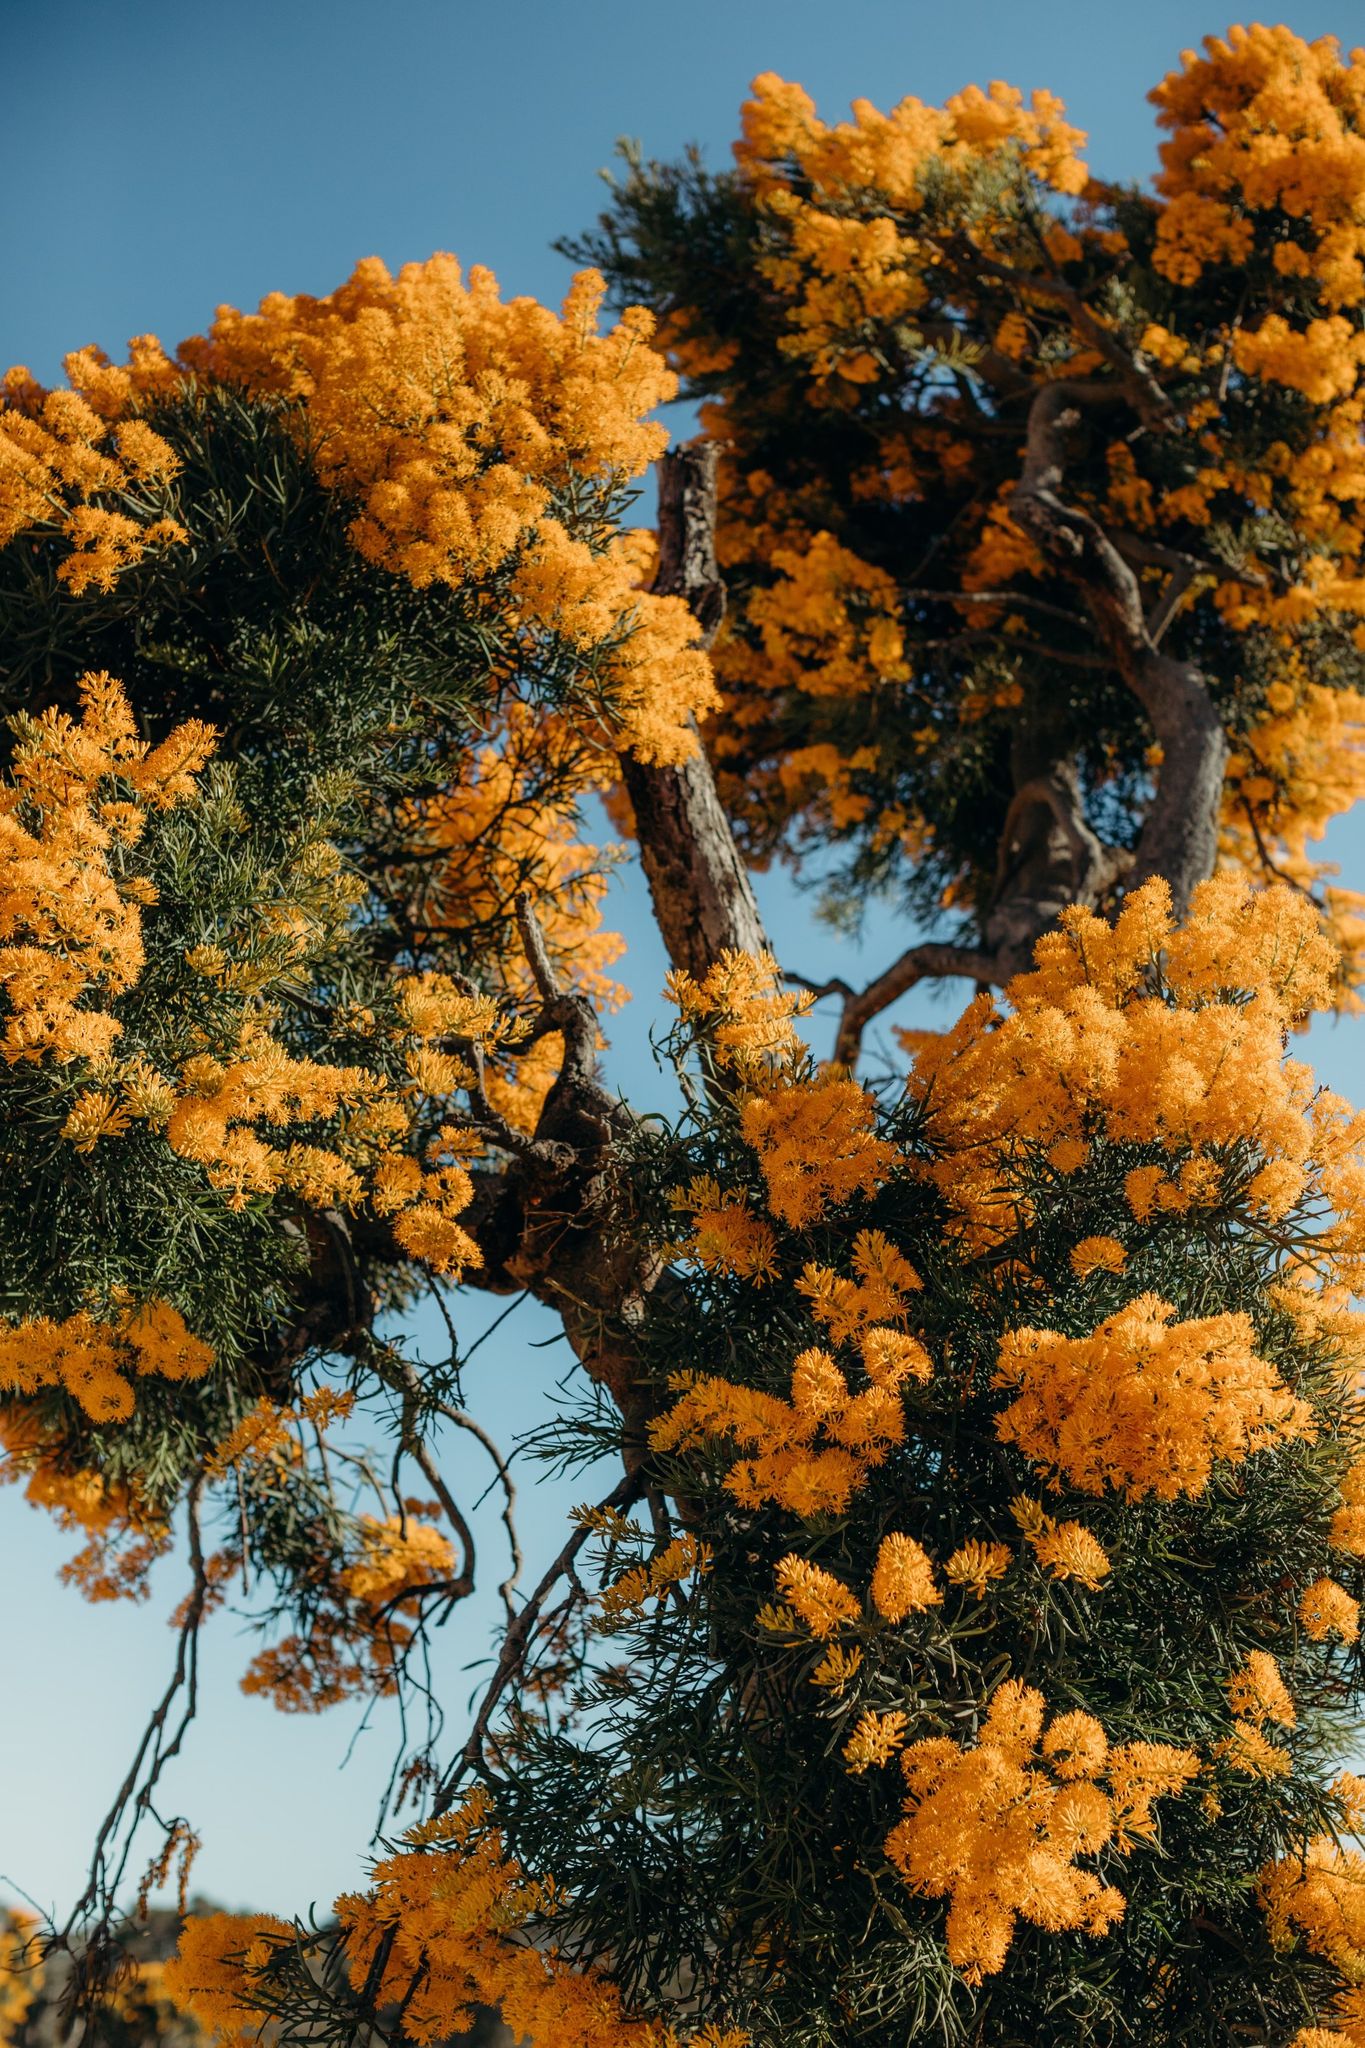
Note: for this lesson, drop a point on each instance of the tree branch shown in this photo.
(517, 1642)
(703, 899)
(1179, 838)
(918, 963)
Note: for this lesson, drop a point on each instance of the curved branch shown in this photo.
(1179, 838)
(464, 1420)
(919, 963)
(517, 1642)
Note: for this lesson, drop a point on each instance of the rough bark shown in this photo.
(1179, 838)
(1049, 856)
(558, 1219)
(703, 901)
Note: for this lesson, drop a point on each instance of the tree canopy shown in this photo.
(967, 1644)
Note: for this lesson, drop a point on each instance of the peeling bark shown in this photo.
(703, 900)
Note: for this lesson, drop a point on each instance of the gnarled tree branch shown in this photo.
(703, 899)
(926, 962)
(1179, 838)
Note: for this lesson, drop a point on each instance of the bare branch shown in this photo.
(463, 1420)
(1167, 605)
(533, 942)
(133, 1800)
(517, 1642)
(918, 963)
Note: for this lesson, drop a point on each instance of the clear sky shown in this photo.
(157, 159)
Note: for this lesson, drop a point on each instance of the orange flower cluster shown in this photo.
(123, 1540)
(1318, 1896)
(998, 1828)
(264, 1433)
(70, 918)
(726, 1232)
(814, 1601)
(1348, 1523)
(812, 1134)
(744, 1014)
(816, 1146)
(210, 1974)
(398, 1556)
(1258, 1692)
(1298, 767)
(903, 1579)
(71, 937)
(451, 1906)
(809, 1454)
(464, 430)
(21, 1969)
(1327, 1609)
(819, 1603)
(1066, 1550)
(214, 1122)
(846, 270)
(1145, 1034)
(356, 1639)
(62, 451)
(873, 235)
(95, 1362)
(1230, 114)
(1146, 1403)
(625, 1597)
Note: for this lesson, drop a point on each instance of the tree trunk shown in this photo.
(703, 900)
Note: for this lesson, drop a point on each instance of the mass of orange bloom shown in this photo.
(59, 452)
(95, 1362)
(842, 270)
(458, 425)
(1228, 114)
(357, 1638)
(1143, 1033)
(870, 226)
(809, 1453)
(452, 1905)
(998, 1827)
(81, 794)
(1318, 1896)
(70, 917)
(816, 1146)
(743, 1012)
(1145, 1403)
(821, 1603)
(1348, 1523)
(209, 1975)
(123, 1537)
(903, 1578)
(1327, 1609)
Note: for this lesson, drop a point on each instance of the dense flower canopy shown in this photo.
(966, 1642)
(906, 666)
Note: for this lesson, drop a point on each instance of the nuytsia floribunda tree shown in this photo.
(964, 1645)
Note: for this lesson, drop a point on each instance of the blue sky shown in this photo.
(157, 159)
